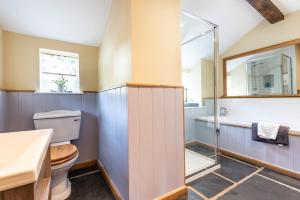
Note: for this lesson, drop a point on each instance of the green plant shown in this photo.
(61, 83)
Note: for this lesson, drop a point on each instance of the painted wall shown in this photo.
(21, 61)
(196, 83)
(278, 110)
(20, 107)
(115, 50)
(138, 46)
(207, 78)
(1, 58)
(156, 36)
(264, 34)
(141, 140)
(238, 77)
(202, 80)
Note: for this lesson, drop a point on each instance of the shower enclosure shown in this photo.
(199, 71)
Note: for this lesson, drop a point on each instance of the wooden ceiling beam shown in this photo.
(267, 9)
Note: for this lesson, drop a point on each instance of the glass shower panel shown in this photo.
(199, 53)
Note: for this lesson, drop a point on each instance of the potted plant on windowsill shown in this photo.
(61, 84)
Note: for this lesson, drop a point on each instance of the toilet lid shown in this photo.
(63, 152)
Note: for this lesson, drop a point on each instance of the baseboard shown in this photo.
(261, 163)
(83, 165)
(117, 195)
(173, 195)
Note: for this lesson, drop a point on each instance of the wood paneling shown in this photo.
(148, 135)
(3, 111)
(22, 105)
(156, 160)
(113, 141)
(239, 140)
(267, 9)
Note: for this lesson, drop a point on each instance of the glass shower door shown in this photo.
(199, 64)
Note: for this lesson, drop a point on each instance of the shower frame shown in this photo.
(215, 30)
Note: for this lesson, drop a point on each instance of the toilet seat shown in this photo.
(63, 153)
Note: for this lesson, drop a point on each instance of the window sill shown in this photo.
(64, 93)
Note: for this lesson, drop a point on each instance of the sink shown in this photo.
(21, 156)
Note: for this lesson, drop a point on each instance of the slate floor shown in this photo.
(236, 180)
(88, 184)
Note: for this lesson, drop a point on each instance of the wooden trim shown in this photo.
(8, 90)
(261, 163)
(40, 189)
(33, 91)
(82, 165)
(117, 195)
(173, 195)
(140, 85)
(224, 77)
(262, 96)
(260, 50)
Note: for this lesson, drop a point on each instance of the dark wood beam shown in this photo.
(267, 9)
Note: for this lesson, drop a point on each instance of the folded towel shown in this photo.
(267, 130)
(281, 139)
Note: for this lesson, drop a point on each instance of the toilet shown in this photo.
(66, 126)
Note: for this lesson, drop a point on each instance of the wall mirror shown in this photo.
(268, 72)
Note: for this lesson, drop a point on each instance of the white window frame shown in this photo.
(62, 53)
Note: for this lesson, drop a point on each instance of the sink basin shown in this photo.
(21, 156)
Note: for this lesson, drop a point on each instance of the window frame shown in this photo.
(59, 53)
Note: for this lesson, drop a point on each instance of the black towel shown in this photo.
(282, 136)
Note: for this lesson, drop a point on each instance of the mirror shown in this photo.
(265, 72)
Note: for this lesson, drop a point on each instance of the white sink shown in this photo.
(21, 156)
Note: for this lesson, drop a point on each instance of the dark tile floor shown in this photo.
(210, 185)
(234, 170)
(204, 150)
(247, 182)
(235, 180)
(88, 184)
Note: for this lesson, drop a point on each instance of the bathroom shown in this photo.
(141, 100)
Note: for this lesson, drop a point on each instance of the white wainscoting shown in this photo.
(238, 140)
(190, 114)
(3, 111)
(141, 140)
(20, 107)
(113, 137)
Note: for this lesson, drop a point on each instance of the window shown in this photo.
(59, 71)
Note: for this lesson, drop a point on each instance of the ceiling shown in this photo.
(83, 21)
(77, 21)
(235, 18)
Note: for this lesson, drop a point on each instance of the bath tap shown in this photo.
(223, 111)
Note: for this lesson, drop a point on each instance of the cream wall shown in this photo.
(21, 61)
(1, 58)
(238, 81)
(264, 34)
(156, 49)
(202, 80)
(115, 50)
(141, 44)
(196, 84)
(207, 78)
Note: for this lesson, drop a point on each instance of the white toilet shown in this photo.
(66, 126)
